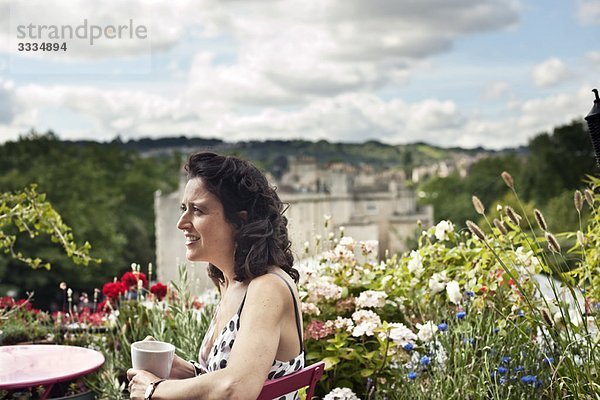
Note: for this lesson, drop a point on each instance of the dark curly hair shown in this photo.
(262, 237)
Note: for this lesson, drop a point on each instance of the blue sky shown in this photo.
(468, 73)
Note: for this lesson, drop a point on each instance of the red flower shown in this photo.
(197, 304)
(159, 290)
(130, 279)
(26, 304)
(105, 307)
(112, 290)
(7, 302)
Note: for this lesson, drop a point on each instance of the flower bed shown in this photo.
(462, 316)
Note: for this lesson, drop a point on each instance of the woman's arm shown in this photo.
(251, 358)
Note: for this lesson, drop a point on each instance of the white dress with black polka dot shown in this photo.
(219, 354)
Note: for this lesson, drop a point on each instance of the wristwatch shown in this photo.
(151, 388)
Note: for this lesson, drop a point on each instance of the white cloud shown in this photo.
(346, 117)
(293, 50)
(588, 11)
(550, 73)
(496, 90)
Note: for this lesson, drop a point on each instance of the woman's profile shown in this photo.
(233, 219)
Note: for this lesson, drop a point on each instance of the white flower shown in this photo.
(369, 246)
(319, 289)
(371, 298)
(415, 264)
(453, 291)
(442, 229)
(341, 323)
(366, 322)
(341, 252)
(310, 309)
(426, 331)
(401, 334)
(437, 282)
(347, 241)
(528, 262)
(341, 394)
(441, 356)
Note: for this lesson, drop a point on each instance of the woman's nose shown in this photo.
(183, 222)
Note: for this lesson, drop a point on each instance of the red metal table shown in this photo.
(40, 364)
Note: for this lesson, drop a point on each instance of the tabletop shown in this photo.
(40, 364)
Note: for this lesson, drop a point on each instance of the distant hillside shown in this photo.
(272, 154)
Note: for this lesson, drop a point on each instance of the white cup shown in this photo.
(153, 356)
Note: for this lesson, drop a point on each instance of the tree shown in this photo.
(30, 214)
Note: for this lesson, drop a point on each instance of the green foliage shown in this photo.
(104, 192)
(555, 166)
(31, 214)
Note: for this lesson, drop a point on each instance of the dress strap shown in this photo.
(298, 323)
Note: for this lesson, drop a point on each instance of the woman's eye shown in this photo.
(198, 211)
(182, 208)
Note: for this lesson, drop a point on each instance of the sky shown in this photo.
(491, 73)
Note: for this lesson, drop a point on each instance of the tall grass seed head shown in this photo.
(539, 217)
(500, 226)
(552, 242)
(507, 178)
(589, 197)
(578, 200)
(581, 238)
(478, 205)
(475, 230)
(512, 215)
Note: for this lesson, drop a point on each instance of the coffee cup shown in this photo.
(153, 356)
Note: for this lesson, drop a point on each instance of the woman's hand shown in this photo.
(181, 369)
(138, 382)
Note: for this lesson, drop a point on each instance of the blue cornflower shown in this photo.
(443, 327)
(549, 360)
(519, 368)
(424, 360)
(408, 346)
(469, 293)
(496, 330)
(527, 379)
(469, 341)
(502, 370)
(461, 315)
(505, 360)
(521, 313)
(538, 383)
(503, 380)
(412, 375)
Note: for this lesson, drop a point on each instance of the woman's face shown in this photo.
(208, 235)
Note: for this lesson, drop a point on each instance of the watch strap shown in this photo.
(152, 388)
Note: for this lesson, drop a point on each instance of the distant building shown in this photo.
(368, 204)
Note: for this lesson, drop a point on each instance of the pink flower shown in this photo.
(318, 330)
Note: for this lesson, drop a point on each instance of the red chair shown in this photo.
(308, 376)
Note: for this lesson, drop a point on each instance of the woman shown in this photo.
(233, 219)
